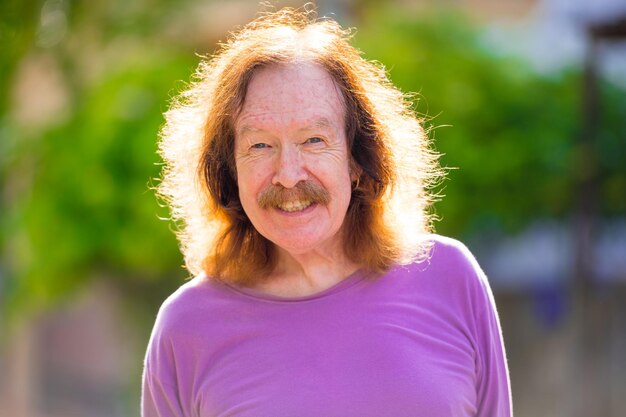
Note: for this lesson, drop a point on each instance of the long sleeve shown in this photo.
(159, 398)
(165, 390)
(493, 386)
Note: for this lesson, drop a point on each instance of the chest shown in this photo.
(374, 359)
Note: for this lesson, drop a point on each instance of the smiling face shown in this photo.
(292, 157)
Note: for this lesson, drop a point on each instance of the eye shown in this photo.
(259, 146)
(314, 139)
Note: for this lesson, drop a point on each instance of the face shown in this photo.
(292, 158)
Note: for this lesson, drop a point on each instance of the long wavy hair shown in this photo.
(388, 215)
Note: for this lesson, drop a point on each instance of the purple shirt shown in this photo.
(422, 340)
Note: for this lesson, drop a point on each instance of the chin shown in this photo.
(302, 246)
(295, 248)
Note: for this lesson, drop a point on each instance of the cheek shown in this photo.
(342, 184)
(246, 190)
(251, 183)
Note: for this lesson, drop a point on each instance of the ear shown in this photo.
(355, 174)
(355, 171)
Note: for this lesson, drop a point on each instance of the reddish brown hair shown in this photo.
(389, 151)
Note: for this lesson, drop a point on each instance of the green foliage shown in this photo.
(509, 133)
(18, 22)
(89, 206)
(76, 201)
(611, 146)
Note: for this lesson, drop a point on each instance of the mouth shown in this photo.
(304, 197)
(296, 205)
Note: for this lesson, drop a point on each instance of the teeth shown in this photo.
(292, 206)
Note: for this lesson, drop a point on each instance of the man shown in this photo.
(301, 176)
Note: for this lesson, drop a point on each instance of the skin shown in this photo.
(291, 129)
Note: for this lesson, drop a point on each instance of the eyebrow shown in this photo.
(247, 129)
(320, 123)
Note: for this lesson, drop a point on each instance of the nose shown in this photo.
(289, 169)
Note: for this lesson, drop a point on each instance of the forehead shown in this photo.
(291, 96)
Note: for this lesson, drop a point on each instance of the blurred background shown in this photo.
(526, 99)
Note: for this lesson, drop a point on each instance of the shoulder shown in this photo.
(451, 255)
(179, 330)
(191, 318)
(189, 307)
(449, 266)
(447, 246)
(457, 267)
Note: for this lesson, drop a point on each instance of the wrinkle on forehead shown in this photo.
(280, 101)
(321, 123)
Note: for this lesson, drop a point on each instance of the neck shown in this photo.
(298, 275)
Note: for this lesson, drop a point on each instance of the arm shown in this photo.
(493, 388)
(158, 397)
(163, 392)
(492, 378)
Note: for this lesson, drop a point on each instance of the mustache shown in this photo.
(277, 195)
